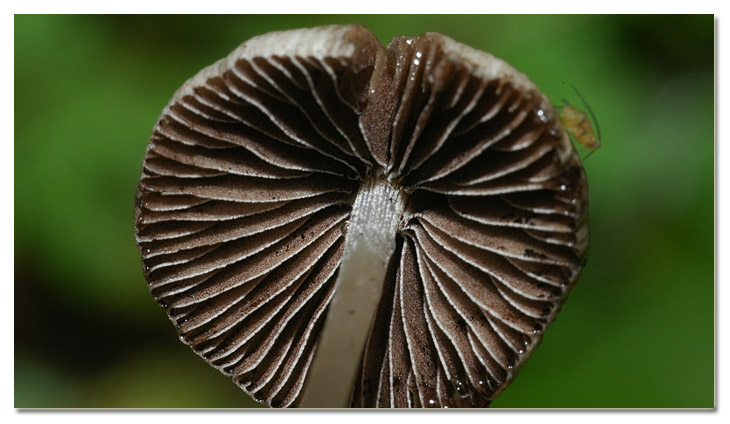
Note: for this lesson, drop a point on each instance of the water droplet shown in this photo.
(409, 42)
(416, 62)
(521, 351)
(461, 390)
(431, 402)
(147, 250)
(419, 54)
(563, 187)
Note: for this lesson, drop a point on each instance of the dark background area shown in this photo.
(638, 331)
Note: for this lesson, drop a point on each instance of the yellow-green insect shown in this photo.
(579, 126)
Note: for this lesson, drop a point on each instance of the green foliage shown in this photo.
(638, 330)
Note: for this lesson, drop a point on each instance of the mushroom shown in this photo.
(333, 223)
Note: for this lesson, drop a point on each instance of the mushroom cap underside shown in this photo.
(248, 186)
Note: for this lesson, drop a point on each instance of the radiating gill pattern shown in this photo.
(249, 180)
(494, 236)
(246, 185)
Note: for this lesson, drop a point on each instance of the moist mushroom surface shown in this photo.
(331, 222)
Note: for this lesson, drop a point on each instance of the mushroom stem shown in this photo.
(369, 244)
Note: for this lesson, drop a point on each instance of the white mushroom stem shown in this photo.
(369, 244)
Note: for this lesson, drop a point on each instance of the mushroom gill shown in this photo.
(330, 222)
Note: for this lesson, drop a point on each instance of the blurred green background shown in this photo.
(638, 331)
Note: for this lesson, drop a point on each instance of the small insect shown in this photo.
(580, 127)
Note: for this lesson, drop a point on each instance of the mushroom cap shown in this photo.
(254, 170)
